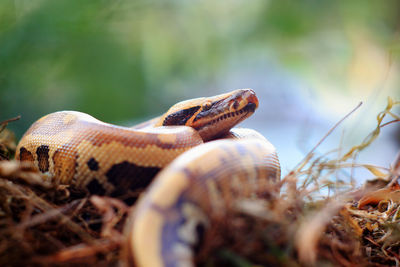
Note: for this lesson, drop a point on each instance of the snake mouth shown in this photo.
(247, 110)
(220, 125)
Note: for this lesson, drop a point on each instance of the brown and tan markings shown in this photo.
(42, 153)
(196, 180)
(79, 150)
(25, 155)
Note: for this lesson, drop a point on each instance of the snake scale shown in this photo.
(199, 165)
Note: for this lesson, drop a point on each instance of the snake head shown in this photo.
(212, 116)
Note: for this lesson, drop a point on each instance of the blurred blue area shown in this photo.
(309, 61)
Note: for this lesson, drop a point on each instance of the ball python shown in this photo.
(198, 162)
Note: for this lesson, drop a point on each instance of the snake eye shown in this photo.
(206, 106)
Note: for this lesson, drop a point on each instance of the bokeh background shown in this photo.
(310, 62)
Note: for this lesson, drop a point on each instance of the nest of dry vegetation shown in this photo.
(46, 225)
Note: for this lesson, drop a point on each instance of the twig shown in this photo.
(309, 155)
(389, 122)
(47, 209)
(3, 124)
(395, 173)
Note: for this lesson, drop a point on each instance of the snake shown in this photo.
(190, 163)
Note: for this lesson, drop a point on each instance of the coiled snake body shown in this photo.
(204, 167)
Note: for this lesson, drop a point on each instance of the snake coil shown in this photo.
(199, 165)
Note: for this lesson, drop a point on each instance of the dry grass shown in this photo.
(46, 225)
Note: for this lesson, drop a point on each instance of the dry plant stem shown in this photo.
(113, 211)
(309, 155)
(310, 231)
(3, 124)
(390, 122)
(374, 134)
(49, 210)
(51, 214)
(395, 173)
(24, 171)
(384, 250)
(80, 251)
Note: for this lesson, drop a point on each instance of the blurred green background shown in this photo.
(125, 61)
